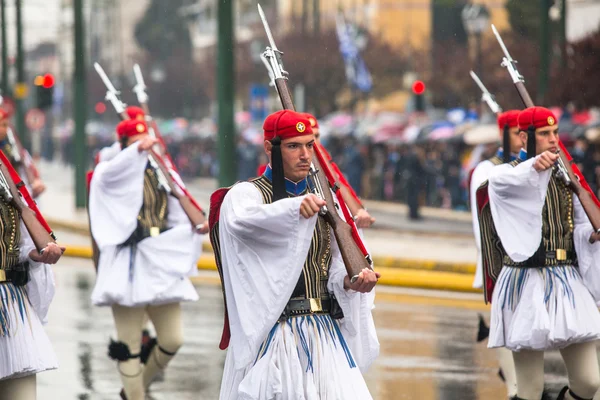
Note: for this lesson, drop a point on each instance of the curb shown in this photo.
(57, 224)
(395, 276)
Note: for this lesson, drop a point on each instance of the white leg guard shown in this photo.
(19, 388)
(507, 364)
(529, 367)
(128, 321)
(169, 336)
(581, 361)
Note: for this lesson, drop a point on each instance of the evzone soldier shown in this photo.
(540, 264)
(511, 145)
(148, 250)
(296, 327)
(19, 157)
(26, 291)
(106, 154)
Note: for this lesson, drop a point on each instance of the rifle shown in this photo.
(13, 190)
(486, 96)
(568, 172)
(20, 154)
(354, 253)
(165, 179)
(140, 91)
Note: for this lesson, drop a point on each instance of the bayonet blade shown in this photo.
(105, 79)
(502, 45)
(267, 28)
(478, 82)
(137, 71)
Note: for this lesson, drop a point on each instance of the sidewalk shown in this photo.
(442, 242)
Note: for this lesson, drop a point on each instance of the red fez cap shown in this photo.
(286, 124)
(313, 121)
(131, 127)
(135, 112)
(539, 117)
(510, 118)
(3, 114)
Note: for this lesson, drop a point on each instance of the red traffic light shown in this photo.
(48, 81)
(418, 87)
(100, 107)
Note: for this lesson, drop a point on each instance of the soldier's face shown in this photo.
(3, 128)
(317, 135)
(546, 138)
(515, 140)
(297, 156)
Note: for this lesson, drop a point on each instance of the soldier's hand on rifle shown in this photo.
(363, 219)
(147, 143)
(367, 279)
(311, 205)
(50, 254)
(37, 188)
(204, 228)
(545, 160)
(594, 237)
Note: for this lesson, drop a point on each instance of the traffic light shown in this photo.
(418, 89)
(44, 90)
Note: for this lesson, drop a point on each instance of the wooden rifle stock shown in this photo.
(284, 94)
(353, 258)
(524, 94)
(39, 234)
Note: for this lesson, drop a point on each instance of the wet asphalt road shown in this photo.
(428, 349)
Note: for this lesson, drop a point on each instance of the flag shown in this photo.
(357, 72)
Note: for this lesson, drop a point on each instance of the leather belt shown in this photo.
(297, 307)
(19, 276)
(561, 255)
(552, 258)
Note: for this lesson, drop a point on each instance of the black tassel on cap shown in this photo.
(531, 151)
(277, 167)
(506, 144)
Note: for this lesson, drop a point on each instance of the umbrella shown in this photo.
(388, 132)
(427, 129)
(443, 132)
(410, 133)
(482, 134)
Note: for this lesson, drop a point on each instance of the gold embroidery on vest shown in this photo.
(315, 271)
(153, 214)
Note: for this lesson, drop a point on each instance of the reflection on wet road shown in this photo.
(428, 349)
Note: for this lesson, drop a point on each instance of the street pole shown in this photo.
(226, 92)
(479, 55)
(80, 155)
(4, 85)
(20, 91)
(304, 21)
(563, 35)
(317, 17)
(544, 50)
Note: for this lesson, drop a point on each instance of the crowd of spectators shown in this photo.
(433, 173)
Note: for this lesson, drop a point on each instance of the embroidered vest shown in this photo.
(315, 272)
(10, 235)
